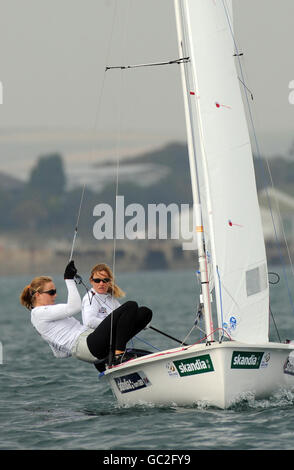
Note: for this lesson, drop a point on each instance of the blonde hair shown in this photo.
(27, 295)
(113, 288)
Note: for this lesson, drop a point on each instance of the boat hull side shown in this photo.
(216, 375)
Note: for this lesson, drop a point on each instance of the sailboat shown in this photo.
(236, 357)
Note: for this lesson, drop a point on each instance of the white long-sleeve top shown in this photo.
(96, 307)
(56, 324)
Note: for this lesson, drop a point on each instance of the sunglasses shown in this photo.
(97, 280)
(49, 292)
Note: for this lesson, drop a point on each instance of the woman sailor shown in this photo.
(125, 321)
(56, 323)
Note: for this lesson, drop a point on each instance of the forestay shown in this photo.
(228, 191)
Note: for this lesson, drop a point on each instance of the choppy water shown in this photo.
(46, 403)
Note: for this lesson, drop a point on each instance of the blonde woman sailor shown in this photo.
(126, 320)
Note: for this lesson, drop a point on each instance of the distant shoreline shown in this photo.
(136, 255)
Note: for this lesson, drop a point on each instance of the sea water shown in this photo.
(48, 403)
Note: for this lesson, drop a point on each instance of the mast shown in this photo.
(194, 143)
(225, 178)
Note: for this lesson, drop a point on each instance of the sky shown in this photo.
(58, 97)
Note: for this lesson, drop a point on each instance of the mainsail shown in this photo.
(231, 216)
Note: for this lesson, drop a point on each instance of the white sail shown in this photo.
(228, 190)
(225, 201)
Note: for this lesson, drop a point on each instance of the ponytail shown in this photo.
(27, 295)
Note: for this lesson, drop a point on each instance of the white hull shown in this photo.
(215, 374)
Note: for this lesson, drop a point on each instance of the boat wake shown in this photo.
(281, 399)
(246, 402)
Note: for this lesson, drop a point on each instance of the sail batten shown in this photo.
(229, 201)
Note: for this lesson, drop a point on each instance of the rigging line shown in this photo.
(280, 217)
(168, 336)
(198, 328)
(97, 114)
(118, 146)
(274, 322)
(118, 151)
(77, 224)
(146, 342)
(237, 53)
(181, 60)
(228, 293)
(114, 236)
(249, 91)
(259, 154)
(99, 101)
(187, 336)
(221, 299)
(109, 42)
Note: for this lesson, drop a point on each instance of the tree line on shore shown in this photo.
(44, 206)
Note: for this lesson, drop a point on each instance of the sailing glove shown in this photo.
(70, 270)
